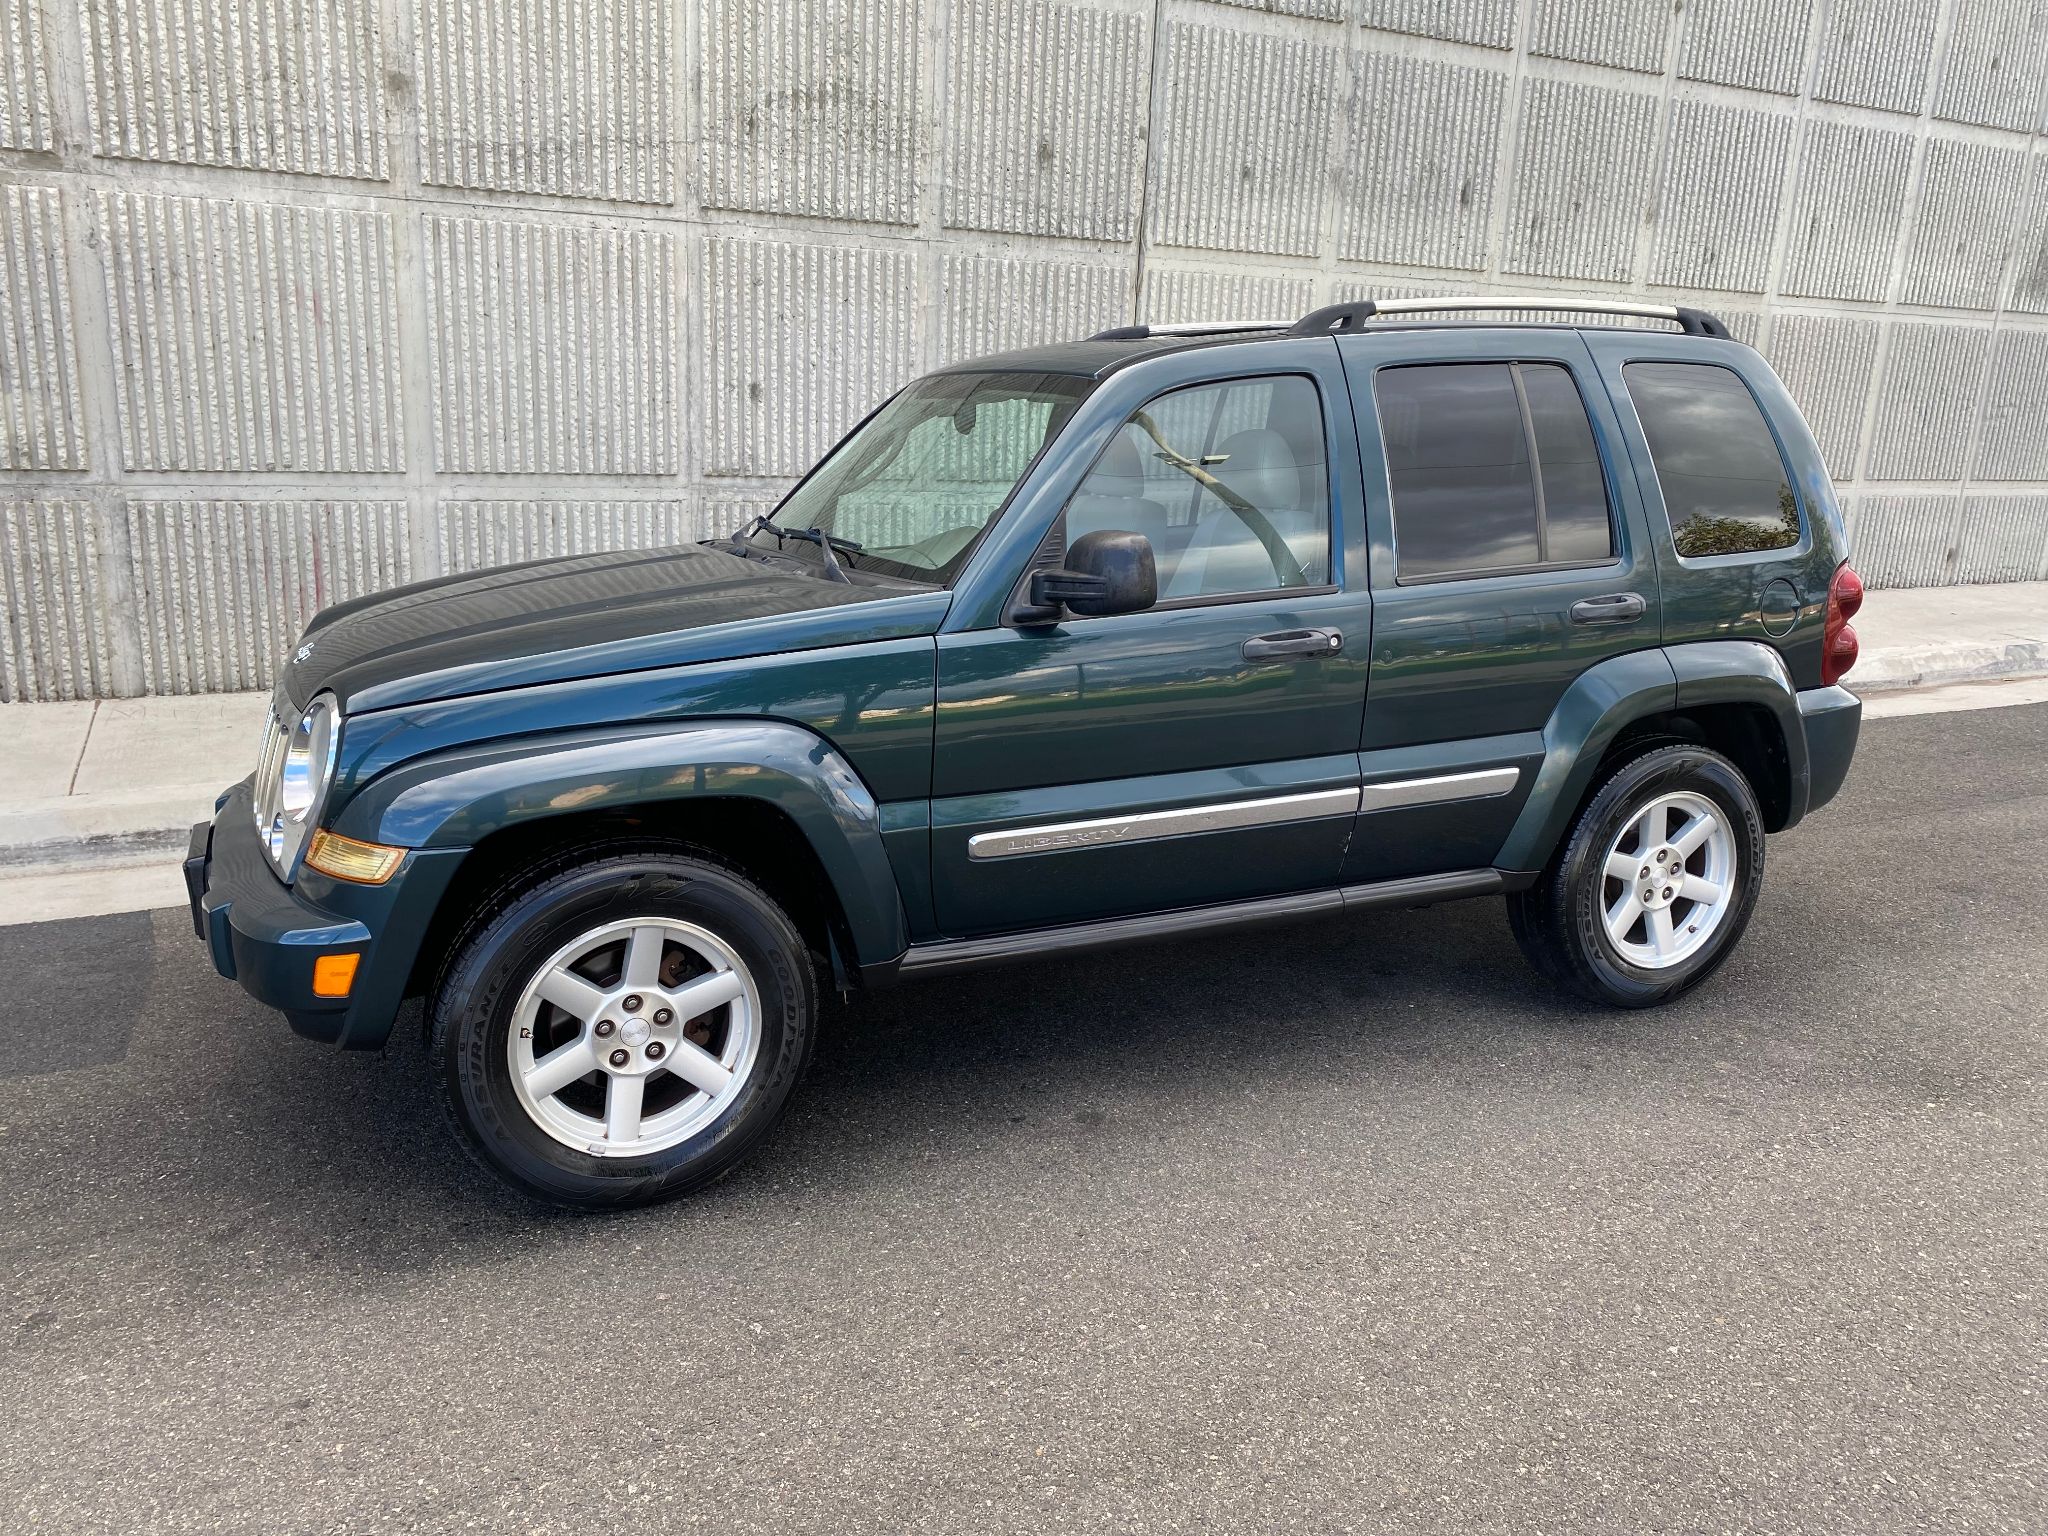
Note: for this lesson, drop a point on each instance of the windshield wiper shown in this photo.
(827, 544)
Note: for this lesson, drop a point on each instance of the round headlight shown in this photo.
(298, 763)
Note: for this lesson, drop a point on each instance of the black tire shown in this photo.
(532, 918)
(1559, 921)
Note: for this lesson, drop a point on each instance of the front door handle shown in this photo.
(1294, 642)
(1615, 608)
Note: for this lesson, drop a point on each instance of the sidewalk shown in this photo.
(96, 799)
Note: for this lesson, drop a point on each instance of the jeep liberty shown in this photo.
(1175, 630)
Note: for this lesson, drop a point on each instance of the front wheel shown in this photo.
(1654, 884)
(624, 1028)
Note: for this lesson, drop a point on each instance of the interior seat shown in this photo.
(1265, 469)
(1113, 496)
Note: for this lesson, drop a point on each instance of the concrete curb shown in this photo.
(106, 830)
(1929, 666)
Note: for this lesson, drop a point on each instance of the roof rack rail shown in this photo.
(1338, 319)
(1188, 328)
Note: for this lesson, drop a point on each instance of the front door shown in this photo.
(1204, 750)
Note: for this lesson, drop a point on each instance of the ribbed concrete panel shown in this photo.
(470, 535)
(1581, 180)
(1969, 203)
(1320, 10)
(553, 347)
(278, 85)
(1904, 541)
(1418, 185)
(40, 423)
(810, 107)
(995, 303)
(24, 78)
(252, 336)
(721, 511)
(1629, 34)
(2027, 291)
(2005, 538)
(1991, 71)
(1723, 178)
(2014, 444)
(1757, 43)
(1826, 362)
(1926, 400)
(1181, 296)
(1233, 173)
(1490, 23)
(1876, 53)
(1047, 107)
(1846, 210)
(800, 342)
(53, 618)
(223, 588)
(571, 97)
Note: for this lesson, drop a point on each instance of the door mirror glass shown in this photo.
(1107, 572)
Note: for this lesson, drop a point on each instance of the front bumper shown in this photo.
(267, 935)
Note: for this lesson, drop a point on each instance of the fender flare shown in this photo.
(1608, 698)
(1750, 672)
(457, 798)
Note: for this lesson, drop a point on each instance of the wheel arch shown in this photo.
(772, 798)
(1734, 696)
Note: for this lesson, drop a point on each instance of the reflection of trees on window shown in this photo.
(1700, 535)
(1725, 485)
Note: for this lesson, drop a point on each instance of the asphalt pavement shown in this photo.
(1353, 1226)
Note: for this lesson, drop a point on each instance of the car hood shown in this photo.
(583, 616)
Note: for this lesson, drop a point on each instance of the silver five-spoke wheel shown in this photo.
(1670, 880)
(635, 1036)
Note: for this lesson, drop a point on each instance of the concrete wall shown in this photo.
(303, 297)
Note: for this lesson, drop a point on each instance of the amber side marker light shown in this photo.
(346, 859)
(333, 975)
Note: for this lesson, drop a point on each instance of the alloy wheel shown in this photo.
(634, 1037)
(1668, 880)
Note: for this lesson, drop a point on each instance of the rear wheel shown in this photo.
(624, 1028)
(1654, 884)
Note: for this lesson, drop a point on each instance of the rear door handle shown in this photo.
(1294, 642)
(1615, 608)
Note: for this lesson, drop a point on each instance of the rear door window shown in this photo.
(1493, 468)
(1724, 482)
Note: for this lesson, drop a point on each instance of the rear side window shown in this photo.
(1725, 487)
(1493, 468)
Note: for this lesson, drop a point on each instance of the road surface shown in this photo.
(1352, 1226)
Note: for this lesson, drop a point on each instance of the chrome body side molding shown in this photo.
(1231, 815)
(1482, 785)
(1146, 826)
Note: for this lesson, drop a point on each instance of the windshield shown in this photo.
(917, 484)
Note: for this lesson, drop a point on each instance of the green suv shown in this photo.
(1172, 630)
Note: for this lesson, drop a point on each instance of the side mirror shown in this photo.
(1108, 571)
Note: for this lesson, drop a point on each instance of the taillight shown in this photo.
(1838, 639)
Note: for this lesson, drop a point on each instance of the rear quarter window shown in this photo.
(1725, 487)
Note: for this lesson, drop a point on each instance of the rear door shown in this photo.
(1509, 555)
(1204, 750)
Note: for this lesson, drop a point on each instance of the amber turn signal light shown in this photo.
(333, 975)
(346, 859)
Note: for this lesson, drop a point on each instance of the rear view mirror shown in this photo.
(1107, 572)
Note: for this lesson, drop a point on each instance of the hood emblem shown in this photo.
(299, 656)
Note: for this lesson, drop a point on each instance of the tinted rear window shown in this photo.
(1465, 482)
(1725, 487)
